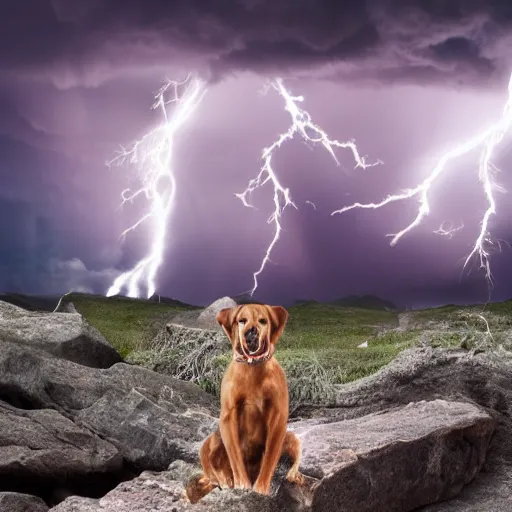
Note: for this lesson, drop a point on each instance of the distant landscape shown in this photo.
(324, 344)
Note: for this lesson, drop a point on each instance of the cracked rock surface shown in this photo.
(398, 460)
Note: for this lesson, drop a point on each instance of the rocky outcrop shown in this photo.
(64, 335)
(397, 460)
(413, 434)
(65, 307)
(483, 379)
(207, 318)
(151, 418)
(72, 428)
(17, 502)
(164, 492)
(42, 449)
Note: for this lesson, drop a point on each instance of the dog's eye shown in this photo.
(263, 321)
(242, 321)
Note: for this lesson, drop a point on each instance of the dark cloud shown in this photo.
(76, 82)
(72, 42)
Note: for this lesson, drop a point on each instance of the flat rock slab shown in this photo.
(394, 461)
(397, 460)
(15, 502)
(65, 335)
(43, 446)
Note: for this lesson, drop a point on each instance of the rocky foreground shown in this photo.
(82, 431)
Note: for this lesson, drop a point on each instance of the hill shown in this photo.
(365, 302)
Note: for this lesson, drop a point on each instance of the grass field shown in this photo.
(128, 324)
(320, 345)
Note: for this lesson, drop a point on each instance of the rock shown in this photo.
(207, 318)
(151, 419)
(397, 460)
(42, 448)
(66, 307)
(16, 502)
(427, 374)
(164, 492)
(64, 335)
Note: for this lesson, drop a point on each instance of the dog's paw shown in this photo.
(242, 484)
(198, 487)
(261, 488)
(296, 478)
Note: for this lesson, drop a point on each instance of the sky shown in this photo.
(406, 79)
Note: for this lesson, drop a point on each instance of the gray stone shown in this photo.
(207, 317)
(152, 419)
(66, 307)
(16, 502)
(45, 447)
(164, 492)
(397, 460)
(64, 335)
(426, 374)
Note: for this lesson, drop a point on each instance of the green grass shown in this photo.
(319, 347)
(128, 324)
(332, 334)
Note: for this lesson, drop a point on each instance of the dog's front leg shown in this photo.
(230, 435)
(276, 433)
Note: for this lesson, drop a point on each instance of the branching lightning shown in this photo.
(152, 155)
(303, 126)
(488, 140)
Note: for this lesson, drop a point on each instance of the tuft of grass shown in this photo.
(308, 380)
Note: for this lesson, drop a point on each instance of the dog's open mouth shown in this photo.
(244, 356)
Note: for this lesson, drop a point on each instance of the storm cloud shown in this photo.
(70, 42)
(406, 79)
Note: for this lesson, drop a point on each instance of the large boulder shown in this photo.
(397, 460)
(66, 428)
(17, 502)
(208, 317)
(483, 379)
(65, 335)
(43, 450)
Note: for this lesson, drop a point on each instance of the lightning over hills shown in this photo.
(488, 140)
(152, 156)
(303, 126)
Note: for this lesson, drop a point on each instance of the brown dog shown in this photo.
(252, 434)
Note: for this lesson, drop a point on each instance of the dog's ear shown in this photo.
(279, 317)
(226, 318)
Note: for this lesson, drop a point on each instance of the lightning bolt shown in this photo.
(152, 156)
(303, 126)
(447, 231)
(488, 140)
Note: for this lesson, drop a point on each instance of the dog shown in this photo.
(252, 435)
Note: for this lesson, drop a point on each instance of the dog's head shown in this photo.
(254, 330)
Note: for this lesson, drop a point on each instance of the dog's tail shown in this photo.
(198, 487)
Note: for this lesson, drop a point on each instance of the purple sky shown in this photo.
(406, 79)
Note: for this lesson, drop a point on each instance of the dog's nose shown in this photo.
(251, 337)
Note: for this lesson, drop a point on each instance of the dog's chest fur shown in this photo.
(251, 414)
